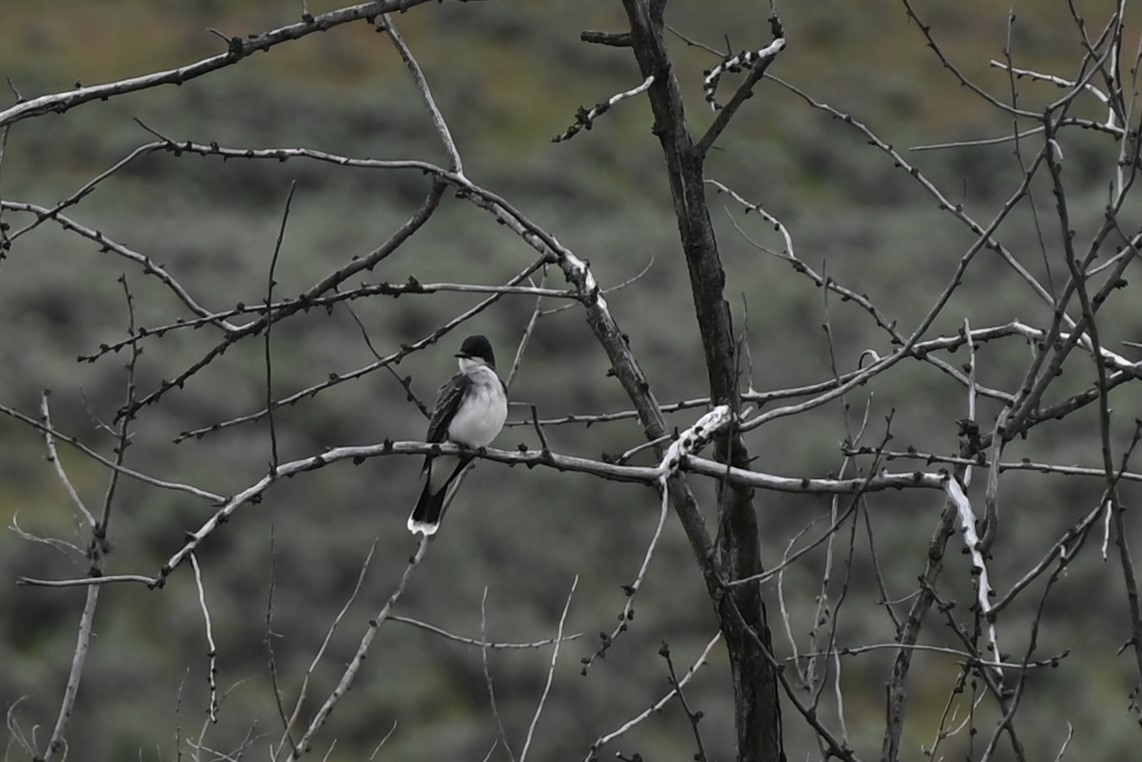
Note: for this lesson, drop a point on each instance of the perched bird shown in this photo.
(469, 411)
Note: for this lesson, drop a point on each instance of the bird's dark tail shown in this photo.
(441, 471)
(425, 517)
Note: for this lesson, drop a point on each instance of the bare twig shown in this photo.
(238, 49)
(57, 744)
(269, 325)
(657, 706)
(302, 693)
(693, 716)
(488, 675)
(455, 163)
(212, 654)
(391, 359)
(550, 671)
(47, 429)
(585, 118)
(354, 666)
(53, 456)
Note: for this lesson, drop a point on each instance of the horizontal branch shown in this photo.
(611, 39)
(383, 288)
(981, 460)
(106, 579)
(239, 48)
(329, 283)
(649, 475)
(830, 390)
(966, 657)
(393, 359)
(806, 485)
(919, 351)
(481, 643)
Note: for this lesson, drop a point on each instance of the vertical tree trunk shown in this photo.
(740, 611)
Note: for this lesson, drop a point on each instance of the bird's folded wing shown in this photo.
(447, 403)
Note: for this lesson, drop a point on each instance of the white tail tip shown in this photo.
(422, 527)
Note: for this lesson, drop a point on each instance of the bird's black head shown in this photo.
(478, 348)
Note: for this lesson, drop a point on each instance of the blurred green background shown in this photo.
(508, 77)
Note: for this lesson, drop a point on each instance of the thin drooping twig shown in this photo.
(271, 658)
(525, 339)
(550, 671)
(302, 691)
(404, 381)
(212, 654)
(627, 614)
(503, 738)
(657, 706)
(693, 716)
(270, 283)
(354, 666)
(687, 442)
(63, 547)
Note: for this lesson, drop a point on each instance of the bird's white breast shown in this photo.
(483, 412)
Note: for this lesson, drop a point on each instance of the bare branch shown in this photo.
(482, 642)
(269, 300)
(455, 164)
(550, 671)
(40, 426)
(657, 706)
(303, 745)
(149, 266)
(239, 48)
(212, 654)
(585, 118)
(302, 692)
(488, 675)
(45, 416)
(57, 744)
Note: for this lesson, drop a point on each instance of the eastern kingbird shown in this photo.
(469, 411)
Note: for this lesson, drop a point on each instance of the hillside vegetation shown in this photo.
(508, 77)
